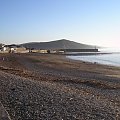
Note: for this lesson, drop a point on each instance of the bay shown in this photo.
(112, 57)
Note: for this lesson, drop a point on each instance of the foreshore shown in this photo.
(51, 87)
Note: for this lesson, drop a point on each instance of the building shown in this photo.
(13, 49)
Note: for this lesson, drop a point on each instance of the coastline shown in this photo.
(50, 84)
(110, 59)
(87, 53)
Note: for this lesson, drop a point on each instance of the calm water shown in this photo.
(108, 59)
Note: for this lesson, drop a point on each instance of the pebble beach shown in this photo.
(51, 87)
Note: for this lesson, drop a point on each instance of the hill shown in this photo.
(58, 44)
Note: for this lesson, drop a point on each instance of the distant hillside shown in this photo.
(58, 44)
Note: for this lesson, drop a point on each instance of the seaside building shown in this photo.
(12, 49)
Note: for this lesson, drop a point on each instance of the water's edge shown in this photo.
(105, 59)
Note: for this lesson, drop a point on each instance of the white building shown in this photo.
(4, 48)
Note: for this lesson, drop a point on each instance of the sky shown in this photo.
(94, 22)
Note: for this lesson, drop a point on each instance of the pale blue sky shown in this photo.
(94, 22)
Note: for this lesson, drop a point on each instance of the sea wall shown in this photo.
(80, 50)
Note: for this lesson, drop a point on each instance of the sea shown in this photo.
(106, 56)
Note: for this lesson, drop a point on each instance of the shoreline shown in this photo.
(95, 59)
(89, 53)
(85, 54)
(56, 88)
